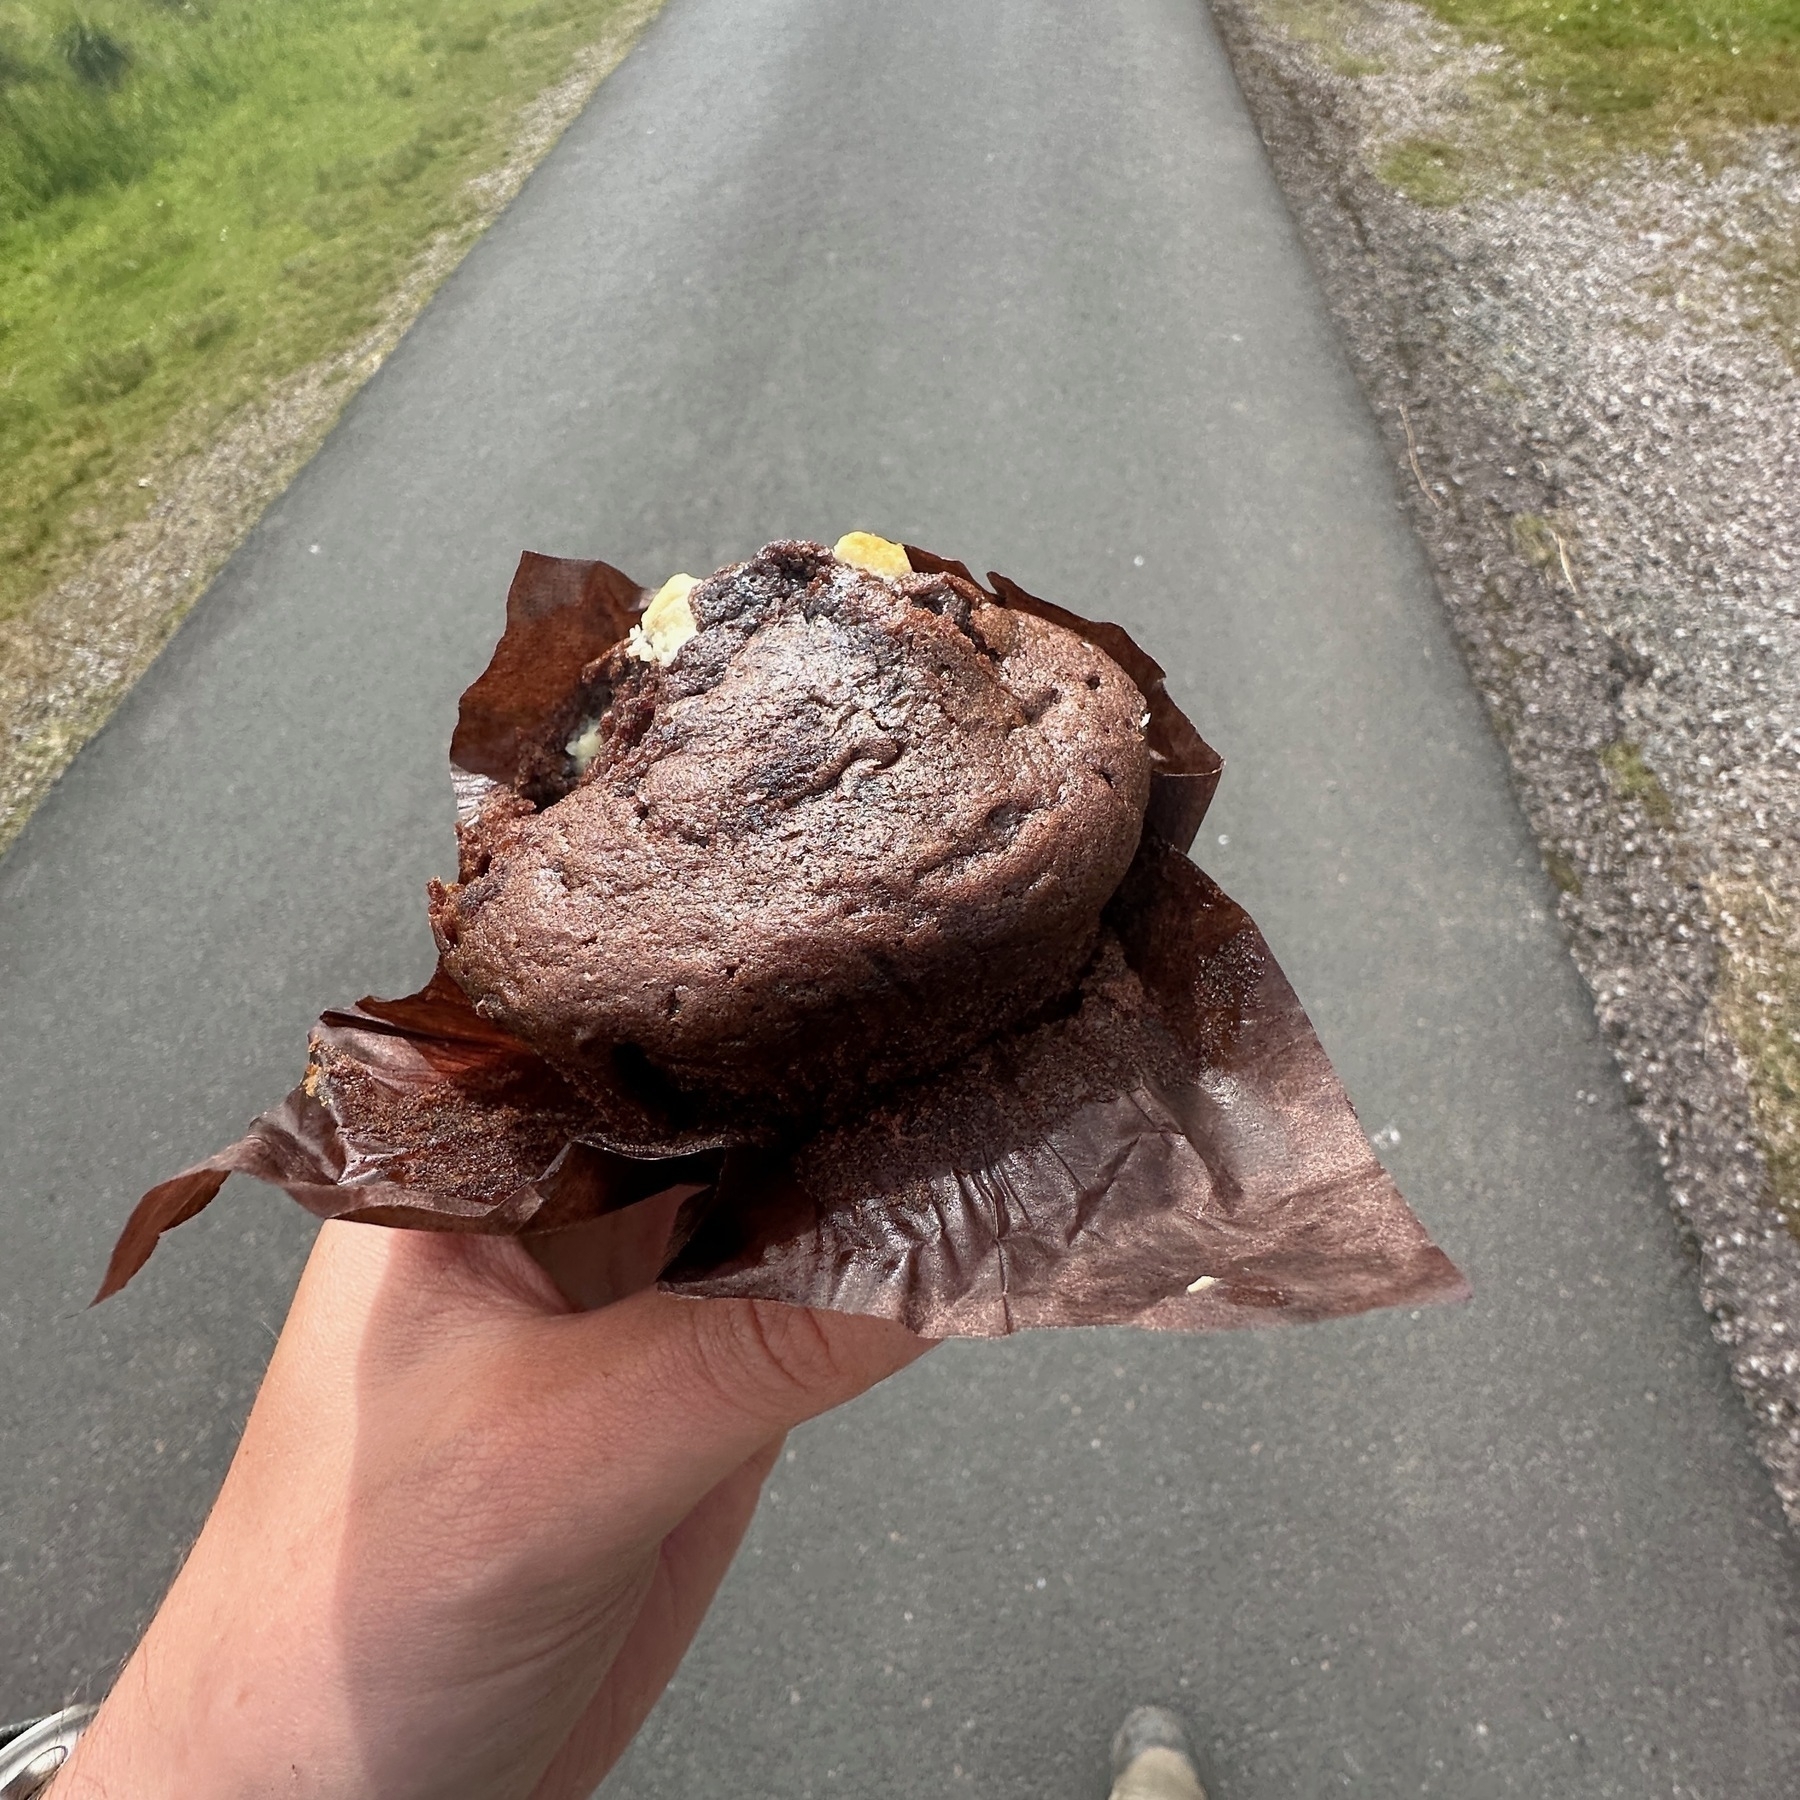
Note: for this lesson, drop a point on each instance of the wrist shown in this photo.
(235, 1678)
(199, 1733)
(32, 1754)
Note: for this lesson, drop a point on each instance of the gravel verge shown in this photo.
(70, 658)
(1586, 375)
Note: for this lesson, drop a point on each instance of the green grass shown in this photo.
(1427, 170)
(1562, 872)
(1634, 781)
(1650, 70)
(200, 197)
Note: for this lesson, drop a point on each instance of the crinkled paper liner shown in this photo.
(1172, 1152)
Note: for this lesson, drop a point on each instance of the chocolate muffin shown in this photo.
(838, 824)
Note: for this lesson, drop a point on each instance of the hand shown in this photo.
(470, 1530)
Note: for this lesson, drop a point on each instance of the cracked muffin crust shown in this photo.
(851, 827)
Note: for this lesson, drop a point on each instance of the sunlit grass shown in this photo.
(1427, 170)
(198, 200)
(1649, 70)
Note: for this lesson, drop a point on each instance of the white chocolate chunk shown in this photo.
(876, 554)
(584, 746)
(667, 624)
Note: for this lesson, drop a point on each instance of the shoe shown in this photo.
(1152, 1759)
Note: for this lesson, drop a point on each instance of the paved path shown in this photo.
(1010, 279)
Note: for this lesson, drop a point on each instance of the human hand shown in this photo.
(470, 1530)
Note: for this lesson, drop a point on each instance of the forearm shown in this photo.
(468, 1534)
(354, 1620)
(212, 1708)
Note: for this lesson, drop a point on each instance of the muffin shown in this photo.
(837, 824)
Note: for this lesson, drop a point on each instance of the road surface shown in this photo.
(1012, 280)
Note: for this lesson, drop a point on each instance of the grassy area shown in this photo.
(1605, 76)
(200, 197)
(1628, 74)
(1597, 76)
(1650, 69)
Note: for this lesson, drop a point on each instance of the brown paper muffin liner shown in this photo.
(1172, 1150)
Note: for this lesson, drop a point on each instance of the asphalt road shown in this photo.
(1011, 280)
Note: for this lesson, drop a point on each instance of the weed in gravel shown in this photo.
(1636, 783)
(1759, 998)
(1535, 539)
(1562, 872)
(1430, 171)
(1544, 541)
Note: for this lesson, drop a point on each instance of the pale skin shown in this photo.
(470, 1530)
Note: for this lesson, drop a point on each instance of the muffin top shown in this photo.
(837, 825)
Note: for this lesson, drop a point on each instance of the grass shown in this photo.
(1582, 82)
(201, 197)
(1636, 783)
(1535, 538)
(1427, 170)
(1759, 995)
(1648, 71)
(1562, 872)
(1615, 75)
